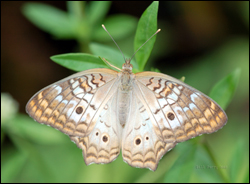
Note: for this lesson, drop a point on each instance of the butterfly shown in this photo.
(143, 114)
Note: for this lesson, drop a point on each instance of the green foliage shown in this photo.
(78, 61)
(224, 90)
(82, 22)
(111, 54)
(182, 165)
(50, 19)
(147, 26)
(119, 26)
(38, 149)
(237, 172)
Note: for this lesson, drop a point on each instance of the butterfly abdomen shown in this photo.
(124, 98)
(123, 106)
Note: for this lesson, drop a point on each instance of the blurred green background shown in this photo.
(203, 41)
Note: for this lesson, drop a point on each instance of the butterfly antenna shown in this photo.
(145, 42)
(113, 41)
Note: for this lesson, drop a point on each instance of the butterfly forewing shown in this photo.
(180, 111)
(72, 104)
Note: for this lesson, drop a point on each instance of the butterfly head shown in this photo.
(127, 66)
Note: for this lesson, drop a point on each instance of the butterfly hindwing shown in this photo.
(141, 147)
(102, 145)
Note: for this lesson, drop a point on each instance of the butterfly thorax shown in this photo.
(126, 76)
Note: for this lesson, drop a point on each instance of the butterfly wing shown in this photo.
(73, 104)
(165, 111)
(178, 111)
(103, 143)
(141, 147)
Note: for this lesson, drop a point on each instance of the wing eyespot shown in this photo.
(79, 110)
(105, 138)
(138, 141)
(171, 116)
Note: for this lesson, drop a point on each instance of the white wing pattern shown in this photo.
(72, 104)
(141, 147)
(180, 111)
(102, 145)
(144, 114)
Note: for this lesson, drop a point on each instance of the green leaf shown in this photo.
(146, 27)
(155, 70)
(205, 168)
(75, 9)
(183, 167)
(246, 179)
(12, 164)
(96, 11)
(224, 90)
(113, 55)
(49, 19)
(119, 26)
(237, 162)
(78, 61)
(24, 127)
